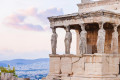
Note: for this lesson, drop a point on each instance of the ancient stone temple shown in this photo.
(97, 26)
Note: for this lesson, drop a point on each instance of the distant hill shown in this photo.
(3, 64)
(22, 61)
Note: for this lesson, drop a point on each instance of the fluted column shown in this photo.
(114, 42)
(54, 41)
(68, 40)
(101, 38)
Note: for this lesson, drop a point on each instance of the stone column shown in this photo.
(101, 38)
(77, 42)
(83, 40)
(68, 40)
(114, 42)
(54, 41)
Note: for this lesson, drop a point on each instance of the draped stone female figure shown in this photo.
(68, 40)
(83, 41)
(54, 41)
(114, 42)
(101, 40)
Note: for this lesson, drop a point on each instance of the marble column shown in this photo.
(83, 40)
(54, 41)
(77, 41)
(68, 40)
(114, 42)
(101, 38)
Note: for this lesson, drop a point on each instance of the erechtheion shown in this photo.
(97, 26)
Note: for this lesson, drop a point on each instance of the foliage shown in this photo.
(8, 70)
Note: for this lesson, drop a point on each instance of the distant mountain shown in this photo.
(3, 64)
(22, 61)
(25, 68)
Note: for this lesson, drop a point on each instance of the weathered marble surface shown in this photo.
(54, 41)
(68, 40)
(87, 66)
(98, 36)
(109, 5)
(86, 1)
(101, 39)
(114, 42)
(83, 40)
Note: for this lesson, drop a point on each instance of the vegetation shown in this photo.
(8, 70)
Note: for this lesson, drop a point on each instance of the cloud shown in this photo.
(18, 20)
(42, 16)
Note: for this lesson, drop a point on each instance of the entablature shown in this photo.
(91, 17)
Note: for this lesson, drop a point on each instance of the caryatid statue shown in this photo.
(54, 41)
(101, 39)
(68, 40)
(83, 40)
(114, 42)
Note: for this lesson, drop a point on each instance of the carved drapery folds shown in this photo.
(83, 40)
(54, 41)
(101, 38)
(68, 40)
(114, 42)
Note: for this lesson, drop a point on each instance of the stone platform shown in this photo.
(84, 67)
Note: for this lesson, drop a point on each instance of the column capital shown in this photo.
(66, 25)
(115, 25)
(101, 24)
(82, 24)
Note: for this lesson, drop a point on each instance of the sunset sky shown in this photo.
(24, 29)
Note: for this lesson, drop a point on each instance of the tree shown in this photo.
(8, 70)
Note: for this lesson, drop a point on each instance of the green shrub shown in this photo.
(8, 70)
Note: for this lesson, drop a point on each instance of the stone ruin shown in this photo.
(97, 26)
(9, 76)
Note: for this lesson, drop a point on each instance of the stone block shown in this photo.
(78, 66)
(66, 78)
(75, 78)
(105, 68)
(97, 59)
(88, 59)
(85, 78)
(75, 59)
(54, 65)
(111, 79)
(52, 77)
(93, 68)
(2, 76)
(114, 60)
(93, 59)
(23, 79)
(114, 69)
(66, 65)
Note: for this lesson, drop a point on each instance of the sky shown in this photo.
(25, 31)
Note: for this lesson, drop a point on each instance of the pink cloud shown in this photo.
(30, 12)
(17, 20)
(42, 16)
